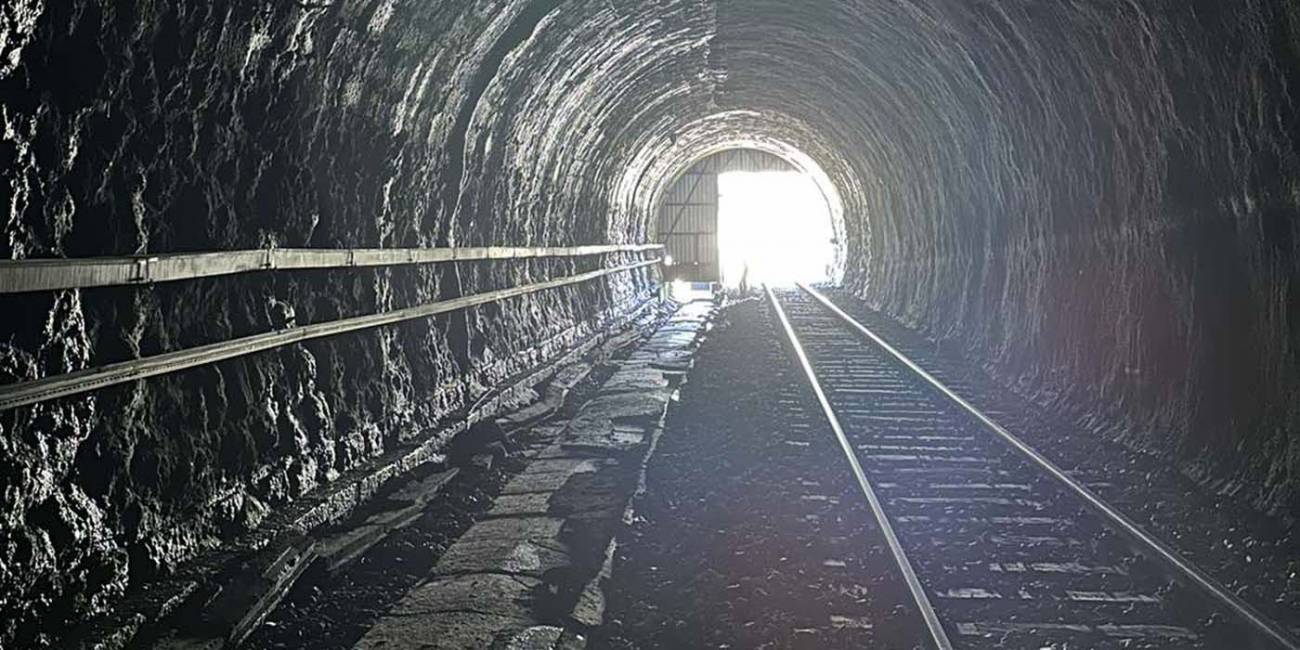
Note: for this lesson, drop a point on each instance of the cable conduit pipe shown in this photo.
(90, 379)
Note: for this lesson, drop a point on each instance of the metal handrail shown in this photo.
(18, 276)
(84, 381)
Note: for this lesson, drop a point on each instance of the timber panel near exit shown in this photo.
(688, 213)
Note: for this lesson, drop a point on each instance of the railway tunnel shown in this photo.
(269, 264)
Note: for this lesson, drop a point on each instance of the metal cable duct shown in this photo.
(50, 274)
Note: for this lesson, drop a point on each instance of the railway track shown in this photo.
(998, 546)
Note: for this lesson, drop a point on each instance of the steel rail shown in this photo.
(937, 633)
(83, 381)
(1190, 572)
(17, 276)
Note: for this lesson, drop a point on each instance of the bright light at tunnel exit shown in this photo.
(773, 228)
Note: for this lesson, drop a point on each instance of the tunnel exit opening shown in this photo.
(749, 216)
(774, 228)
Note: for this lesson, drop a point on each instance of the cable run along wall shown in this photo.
(17, 276)
(73, 383)
(45, 275)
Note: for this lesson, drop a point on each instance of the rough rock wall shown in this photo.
(1100, 199)
(153, 127)
(1097, 198)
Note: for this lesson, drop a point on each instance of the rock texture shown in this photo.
(1101, 199)
(150, 128)
(1097, 197)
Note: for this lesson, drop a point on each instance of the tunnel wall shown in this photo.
(1096, 200)
(1105, 214)
(145, 128)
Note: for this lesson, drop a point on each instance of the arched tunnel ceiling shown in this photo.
(1095, 197)
(1098, 198)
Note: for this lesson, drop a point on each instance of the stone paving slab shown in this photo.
(474, 592)
(521, 505)
(674, 340)
(617, 421)
(538, 637)
(630, 379)
(469, 611)
(516, 545)
(550, 474)
(420, 491)
(556, 392)
(546, 543)
(603, 436)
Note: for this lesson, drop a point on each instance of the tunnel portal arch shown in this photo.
(688, 214)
